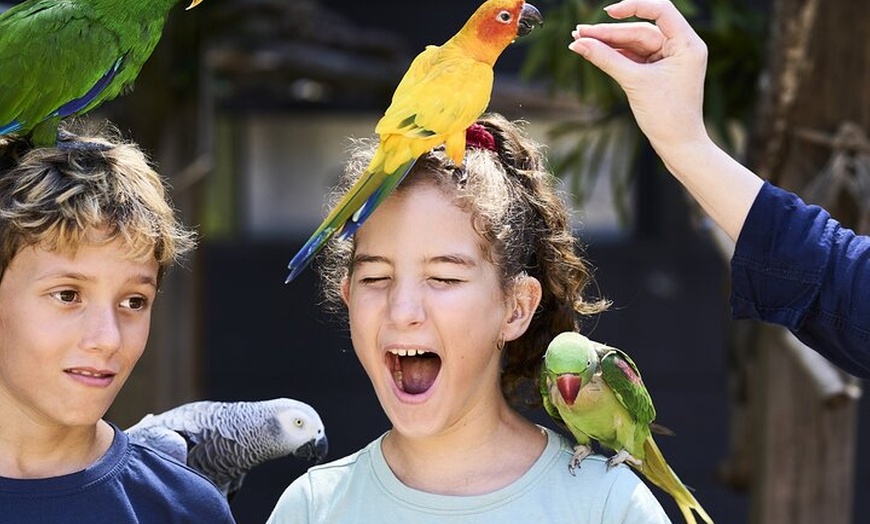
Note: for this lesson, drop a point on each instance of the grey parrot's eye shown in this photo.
(298, 422)
(504, 16)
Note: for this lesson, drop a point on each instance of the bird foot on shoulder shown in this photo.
(581, 451)
(623, 456)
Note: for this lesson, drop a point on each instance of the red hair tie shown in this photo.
(478, 137)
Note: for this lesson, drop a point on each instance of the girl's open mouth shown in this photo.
(413, 371)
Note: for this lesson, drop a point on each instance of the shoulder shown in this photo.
(605, 495)
(327, 480)
(324, 485)
(152, 478)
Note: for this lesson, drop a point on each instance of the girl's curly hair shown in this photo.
(524, 226)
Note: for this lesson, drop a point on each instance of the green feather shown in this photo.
(53, 52)
(612, 406)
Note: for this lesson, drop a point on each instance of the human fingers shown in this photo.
(638, 39)
(661, 12)
(607, 58)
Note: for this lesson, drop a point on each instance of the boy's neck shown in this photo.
(36, 453)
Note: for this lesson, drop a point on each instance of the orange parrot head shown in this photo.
(494, 25)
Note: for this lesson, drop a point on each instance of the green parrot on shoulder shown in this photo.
(62, 58)
(596, 391)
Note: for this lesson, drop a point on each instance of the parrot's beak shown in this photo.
(529, 18)
(193, 4)
(569, 386)
(314, 450)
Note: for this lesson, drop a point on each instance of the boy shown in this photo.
(86, 231)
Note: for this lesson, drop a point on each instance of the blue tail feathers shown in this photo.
(319, 239)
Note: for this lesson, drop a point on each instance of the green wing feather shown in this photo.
(53, 52)
(619, 372)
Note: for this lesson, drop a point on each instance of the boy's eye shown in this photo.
(135, 303)
(67, 296)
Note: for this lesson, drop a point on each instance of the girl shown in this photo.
(453, 289)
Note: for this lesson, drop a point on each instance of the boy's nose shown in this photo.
(103, 331)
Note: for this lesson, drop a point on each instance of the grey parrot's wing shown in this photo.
(224, 460)
(161, 439)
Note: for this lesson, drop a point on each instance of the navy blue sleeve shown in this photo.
(796, 266)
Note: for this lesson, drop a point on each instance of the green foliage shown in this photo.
(605, 141)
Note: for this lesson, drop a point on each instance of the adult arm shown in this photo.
(793, 264)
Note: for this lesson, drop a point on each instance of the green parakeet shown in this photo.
(597, 392)
(61, 58)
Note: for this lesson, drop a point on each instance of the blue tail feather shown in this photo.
(74, 106)
(11, 127)
(314, 244)
(305, 255)
(372, 202)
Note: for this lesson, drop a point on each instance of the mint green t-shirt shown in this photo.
(361, 488)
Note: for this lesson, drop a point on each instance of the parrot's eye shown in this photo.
(504, 16)
(298, 422)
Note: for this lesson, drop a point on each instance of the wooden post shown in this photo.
(805, 441)
(802, 410)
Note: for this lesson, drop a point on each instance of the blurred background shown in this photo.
(248, 106)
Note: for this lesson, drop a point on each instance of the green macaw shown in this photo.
(596, 391)
(61, 58)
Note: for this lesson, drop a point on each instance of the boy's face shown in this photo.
(71, 330)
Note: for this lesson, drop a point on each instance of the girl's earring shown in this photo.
(500, 344)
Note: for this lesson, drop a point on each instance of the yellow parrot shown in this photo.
(444, 91)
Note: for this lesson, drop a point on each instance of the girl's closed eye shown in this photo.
(372, 280)
(446, 281)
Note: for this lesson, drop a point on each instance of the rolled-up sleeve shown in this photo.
(795, 266)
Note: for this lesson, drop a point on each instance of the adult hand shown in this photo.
(660, 65)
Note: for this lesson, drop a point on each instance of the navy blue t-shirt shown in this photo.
(129, 484)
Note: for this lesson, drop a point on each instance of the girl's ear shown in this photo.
(526, 297)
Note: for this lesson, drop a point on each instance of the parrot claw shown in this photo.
(581, 451)
(623, 456)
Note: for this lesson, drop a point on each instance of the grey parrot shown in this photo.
(225, 440)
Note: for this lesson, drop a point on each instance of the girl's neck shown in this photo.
(40, 453)
(472, 459)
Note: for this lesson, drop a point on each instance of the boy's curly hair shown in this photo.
(87, 189)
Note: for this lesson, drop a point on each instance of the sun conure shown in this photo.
(445, 89)
(597, 392)
(64, 58)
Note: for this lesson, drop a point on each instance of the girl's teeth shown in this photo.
(407, 352)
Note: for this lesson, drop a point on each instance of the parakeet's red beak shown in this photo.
(569, 387)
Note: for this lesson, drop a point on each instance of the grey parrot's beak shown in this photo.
(314, 450)
(529, 18)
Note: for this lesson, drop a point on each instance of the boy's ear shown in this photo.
(526, 298)
(345, 289)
